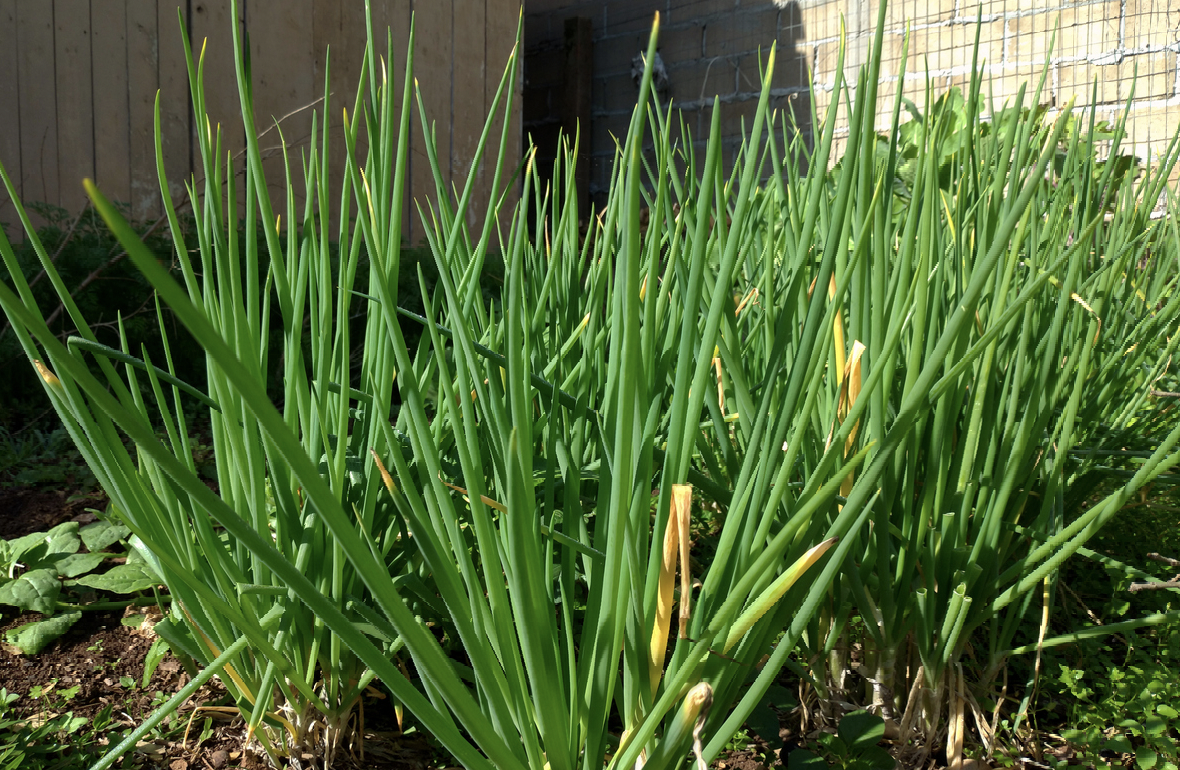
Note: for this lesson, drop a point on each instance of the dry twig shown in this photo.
(1154, 586)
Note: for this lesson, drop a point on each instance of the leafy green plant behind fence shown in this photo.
(799, 353)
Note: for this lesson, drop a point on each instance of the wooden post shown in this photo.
(284, 83)
(433, 70)
(10, 144)
(175, 103)
(467, 119)
(143, 79)
(575, 111)
(211, 28)
(112, 134)
(502, 19)
(38, 100)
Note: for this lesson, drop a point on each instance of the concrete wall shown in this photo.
(714, 47)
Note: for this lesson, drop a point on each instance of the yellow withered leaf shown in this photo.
(676, 538)
(696, 707)
(720, 385)
(384, 473)
(837, 323)
(486, 500)
(49, 377)
(752, 295)
(682, 510)
(850, 389)
(837, 328)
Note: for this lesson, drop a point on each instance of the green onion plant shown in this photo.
(1040, 301)
(887, 395)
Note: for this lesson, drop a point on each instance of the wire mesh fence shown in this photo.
(1100, 53)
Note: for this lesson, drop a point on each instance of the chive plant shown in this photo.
(883, 404)
(1040, 303)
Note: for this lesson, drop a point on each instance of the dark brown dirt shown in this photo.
(740, 760)
(99, 651)
(95, 655)
(23, 511)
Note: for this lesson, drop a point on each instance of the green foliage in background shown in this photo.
(852, 747)
(1113, 696)
(1122, 699)
(105, 286)
(31, 455)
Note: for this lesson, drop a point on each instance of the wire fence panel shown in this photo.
(1096, 53)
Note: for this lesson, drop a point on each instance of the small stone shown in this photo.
(218, 759)
(178, 764)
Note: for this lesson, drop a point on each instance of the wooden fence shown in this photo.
(79, 78)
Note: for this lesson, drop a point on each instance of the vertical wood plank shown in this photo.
(391, 38)
(281, 49)
(38, 99)
(512, 15)
(10, 108)
(516, 119)
(327, 38)
(576, 101)
(470, 72)
(503, 17)
(339, 35)
(434, 69)
(399, 19)
(175, 106)
(75, 101)
(143, 81)
(112, 136)
(212, 27)
(329, 50)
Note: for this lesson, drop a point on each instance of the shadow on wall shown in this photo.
(794, 68)
(582, 64)
(558, 71)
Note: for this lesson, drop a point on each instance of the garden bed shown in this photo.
(85, 689)
(906, 389)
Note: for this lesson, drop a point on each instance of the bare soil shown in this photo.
(23, 511)
(99, 651)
